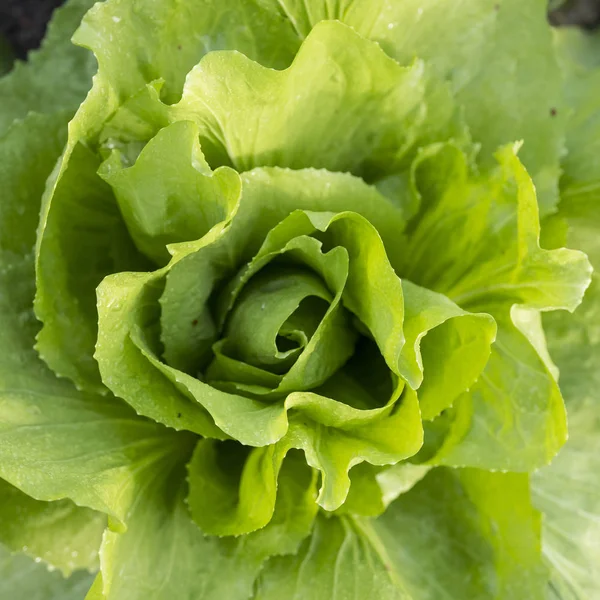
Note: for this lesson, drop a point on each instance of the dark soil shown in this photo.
(23, 22)
(585, 13)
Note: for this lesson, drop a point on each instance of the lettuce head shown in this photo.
(286, 290)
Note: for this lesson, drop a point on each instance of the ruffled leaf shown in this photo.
(183, 204)
(85, 216)
(177, 559)
(234, 490)
(492, 230)
(513, 418)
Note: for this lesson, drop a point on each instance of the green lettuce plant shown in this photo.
(285, 299)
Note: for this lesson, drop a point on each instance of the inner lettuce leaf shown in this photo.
(284, 305)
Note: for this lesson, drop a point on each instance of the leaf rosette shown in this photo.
(315, 277)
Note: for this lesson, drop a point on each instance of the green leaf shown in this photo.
(129, 311)
(55, 442)
(492, 230)
(149, 51)
(188, 329)
(56, 77)
(233, 490)
(456, 534)
(387, 108)
(568, 490)
(513, 418)
(580, 182)
(226, 94)
(59, 533)
(517, 420)
(128, 305)
(337, 562)
(163, 554)
(23, 579)
(86, 217)
(188, 201)
(446, 347)
(272, 298)
(399, 479)
(509, 85)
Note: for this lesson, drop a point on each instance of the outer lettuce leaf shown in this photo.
(491, 227)
(456, 534)
(490, 73)
(569, 490)
(387, 108)
(66, 280)
(149, 51)
(163, 554)
(23, 579)
(509, 86)
(567, 493)
(513, 418)
(56, 77)
(580, 183)
(85, 447)
(227, 95)
(60, 533)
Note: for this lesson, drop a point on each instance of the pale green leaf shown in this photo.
(513, 418)
(181, 205)
(568, 490)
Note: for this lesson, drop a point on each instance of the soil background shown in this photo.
(23, 22)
